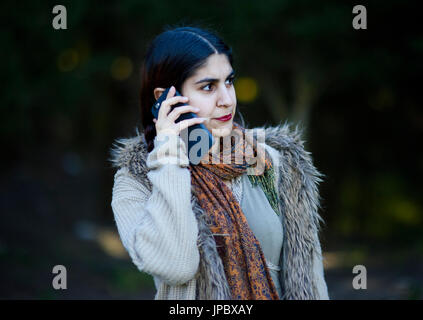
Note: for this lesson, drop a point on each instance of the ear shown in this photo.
(158, 92)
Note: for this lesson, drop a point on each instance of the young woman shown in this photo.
(214, 230)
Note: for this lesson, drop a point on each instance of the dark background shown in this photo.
(67, 94)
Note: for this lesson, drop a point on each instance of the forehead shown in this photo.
(217, 66)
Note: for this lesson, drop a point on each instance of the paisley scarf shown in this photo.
(243, 260)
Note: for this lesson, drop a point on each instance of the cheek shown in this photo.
(234, 97)
(206, 109)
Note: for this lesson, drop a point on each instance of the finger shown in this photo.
(189, 122)
(171, 92)
(174, 100)
(175, 113)
(164, 109)
(166, 105)
(154, 120)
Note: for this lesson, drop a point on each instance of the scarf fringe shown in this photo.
(267, 183)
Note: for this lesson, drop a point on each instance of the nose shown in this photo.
(224, 97)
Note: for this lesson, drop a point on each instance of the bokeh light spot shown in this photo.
(110, 242)
(121, 68)
(67, 60)
(246, 89)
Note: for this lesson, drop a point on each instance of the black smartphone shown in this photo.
(197, 137)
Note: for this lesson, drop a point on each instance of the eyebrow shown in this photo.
(214, 79)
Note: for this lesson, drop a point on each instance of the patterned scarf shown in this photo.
(243, 260)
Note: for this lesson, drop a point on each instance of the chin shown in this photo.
(223, 131)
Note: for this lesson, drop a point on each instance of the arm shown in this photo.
(158, 228)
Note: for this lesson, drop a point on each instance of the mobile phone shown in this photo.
(197, 137)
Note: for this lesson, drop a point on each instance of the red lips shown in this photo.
(225, 118)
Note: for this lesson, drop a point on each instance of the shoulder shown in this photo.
(125, 150)
(294, 168)
(130, 153)
(283, 138)
(286, 148)
(127, 187)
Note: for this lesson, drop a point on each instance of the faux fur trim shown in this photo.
(299, 199)
(131, 153)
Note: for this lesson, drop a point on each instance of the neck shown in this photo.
(215, 147)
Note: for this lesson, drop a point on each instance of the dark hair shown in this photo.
(171, 58)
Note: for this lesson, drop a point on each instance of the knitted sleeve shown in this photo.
(158, 228)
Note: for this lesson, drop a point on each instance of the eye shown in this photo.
(231, 80)
(206, 86)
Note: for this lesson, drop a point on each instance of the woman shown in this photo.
(214, 230)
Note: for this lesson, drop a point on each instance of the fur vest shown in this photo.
(298, 203)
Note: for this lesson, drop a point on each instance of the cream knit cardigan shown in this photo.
(158, 228)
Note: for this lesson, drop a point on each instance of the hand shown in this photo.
(166, 120)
